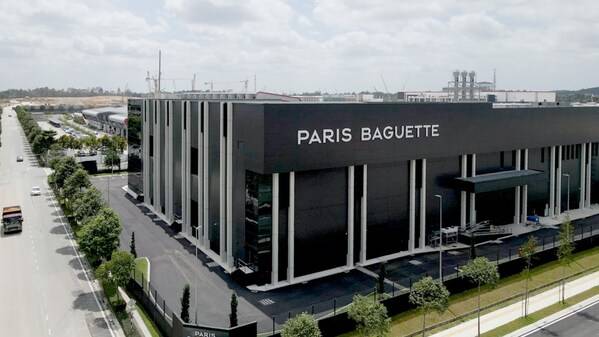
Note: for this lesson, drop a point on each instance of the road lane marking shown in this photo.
(89, 283)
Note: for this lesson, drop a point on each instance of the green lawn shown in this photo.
(149, 323)
(460, 304)
(142, 267)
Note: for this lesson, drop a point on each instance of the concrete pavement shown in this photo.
(514, 311)
(45, 288)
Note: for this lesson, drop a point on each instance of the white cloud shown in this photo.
(325, 44)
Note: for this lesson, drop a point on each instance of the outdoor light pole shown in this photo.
(568, 197)
(440, 236)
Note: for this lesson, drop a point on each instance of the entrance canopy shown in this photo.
(497, 180)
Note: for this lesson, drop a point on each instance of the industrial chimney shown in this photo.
(456, 85)
(472, 77)
(464, 84)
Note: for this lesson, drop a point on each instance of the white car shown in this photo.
(36, 190)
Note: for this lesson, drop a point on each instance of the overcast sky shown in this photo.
(299, 45)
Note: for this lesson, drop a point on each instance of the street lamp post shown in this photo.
(440, 236)
(568, 196)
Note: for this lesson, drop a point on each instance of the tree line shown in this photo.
(40, 140)
(45, 145)
(96, 225)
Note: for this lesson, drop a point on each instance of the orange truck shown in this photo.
(12, 219)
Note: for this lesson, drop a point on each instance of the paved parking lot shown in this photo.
(173, 264)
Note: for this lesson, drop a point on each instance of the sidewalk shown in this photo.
(514, 311)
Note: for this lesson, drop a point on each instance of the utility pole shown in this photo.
(440, 236)
(159, 70)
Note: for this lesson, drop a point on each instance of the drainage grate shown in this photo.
(415, 262)
(266, 301)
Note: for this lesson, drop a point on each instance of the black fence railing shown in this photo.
(169, 323)
(332, 313)
(152, 302)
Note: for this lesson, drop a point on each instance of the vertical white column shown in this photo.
(525, 191)
(552, 181)
(156, 161)
(412, 207)
(200, 163)
(473, 195)
(169, 163)
(363, 215)
(275, 229)
(187, 173)
(464, 159)
(517, 195)
(229, 184)
(185, 223)
(206, 176)
(145, 150)
(583, 159)
(222, 185)
(350, 215)
(422, 237)
(588, 175)
(291, 230)
(558, 181)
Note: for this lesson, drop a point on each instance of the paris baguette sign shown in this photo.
(367, 134)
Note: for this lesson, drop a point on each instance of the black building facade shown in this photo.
(288, 192)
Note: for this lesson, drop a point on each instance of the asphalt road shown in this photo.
(584, 323)
(44, 289)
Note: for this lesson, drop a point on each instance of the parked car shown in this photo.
(19, 159)
(35, 190)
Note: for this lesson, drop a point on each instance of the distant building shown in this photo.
(111, 120)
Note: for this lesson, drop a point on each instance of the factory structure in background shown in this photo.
(463, 87)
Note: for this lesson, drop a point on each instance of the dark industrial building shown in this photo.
(283, 193)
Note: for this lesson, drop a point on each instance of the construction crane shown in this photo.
(384, 84)
(244, 82)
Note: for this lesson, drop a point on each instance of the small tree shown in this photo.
(87, 204)
(112, 159)
(119, 143)
(381, 279)
(370, 317)
(526, 252)
(428, 295)
(302, 325)
(64, 169)
(118, 270)
(100, 235)
(233, 314)
(132, 245)
(564, 253)
(185, 303)
(481, 272)
(75, 183)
